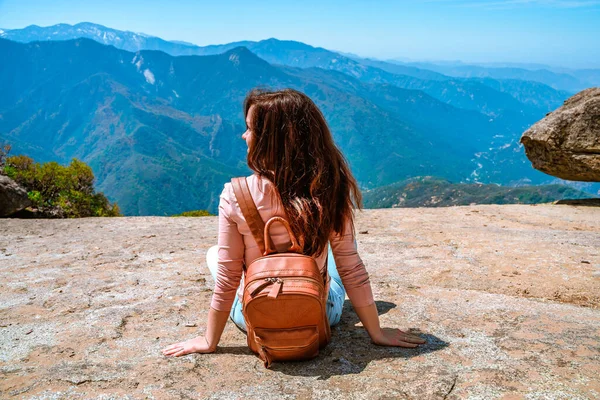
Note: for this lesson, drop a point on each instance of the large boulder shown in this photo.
(13, 197)
(566, 143)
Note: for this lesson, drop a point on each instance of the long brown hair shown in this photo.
(293, 148)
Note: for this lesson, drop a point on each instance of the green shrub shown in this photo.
(4, 150)
(196, 213)
(60, 191)
(35, 196)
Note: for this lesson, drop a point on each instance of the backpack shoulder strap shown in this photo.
(255, 222)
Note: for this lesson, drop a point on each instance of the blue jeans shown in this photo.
(335, 300)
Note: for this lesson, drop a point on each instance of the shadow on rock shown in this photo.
(351, 349)
(593, 202)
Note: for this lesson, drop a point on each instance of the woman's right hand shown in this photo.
(196, 345)
(396, 337)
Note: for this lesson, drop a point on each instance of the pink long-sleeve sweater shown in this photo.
(237, 245)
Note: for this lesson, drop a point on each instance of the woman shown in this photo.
(300, 174)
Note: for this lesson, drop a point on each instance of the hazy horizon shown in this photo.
(557, 33)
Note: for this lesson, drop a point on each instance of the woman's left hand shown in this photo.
(196, 345)
(396, 337)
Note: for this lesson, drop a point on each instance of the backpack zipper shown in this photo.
(267, 282)
(277, 285)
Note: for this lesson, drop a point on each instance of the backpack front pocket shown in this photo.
(300, 343)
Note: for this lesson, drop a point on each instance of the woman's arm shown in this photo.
(358, 286)
(229, 274)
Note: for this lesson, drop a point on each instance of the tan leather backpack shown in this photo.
(285, 294)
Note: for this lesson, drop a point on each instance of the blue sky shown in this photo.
(555, 32)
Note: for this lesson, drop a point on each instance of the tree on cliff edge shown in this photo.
(59, 191)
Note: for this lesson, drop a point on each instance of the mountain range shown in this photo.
(572, 80)
(162, 129)
(301, 55)
(434, 192)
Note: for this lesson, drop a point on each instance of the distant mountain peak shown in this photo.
(240, 50)
(290, 44)
(85, 23)
(242, 54)
(125, 40)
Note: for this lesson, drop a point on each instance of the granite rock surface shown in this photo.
(508, 298)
